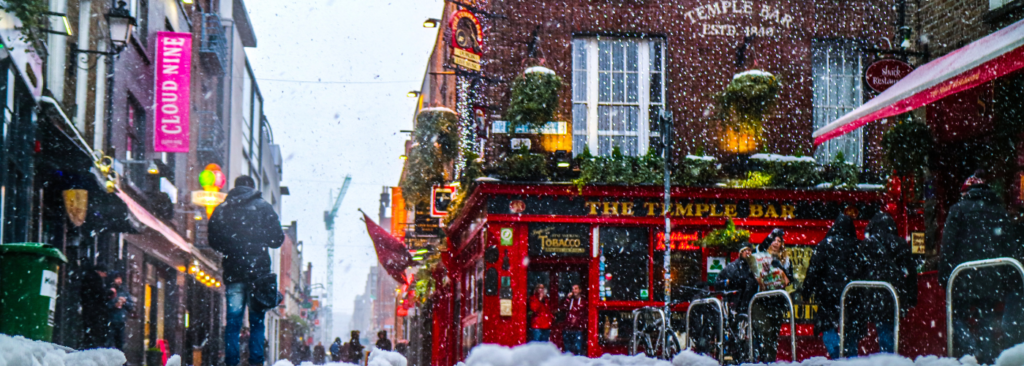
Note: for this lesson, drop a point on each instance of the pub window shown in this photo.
(836, 67)
(624, 264)
(617, 86)
(686, 265)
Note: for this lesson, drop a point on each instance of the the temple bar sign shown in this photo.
(684, 208)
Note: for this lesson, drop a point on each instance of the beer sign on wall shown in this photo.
(740, 19)
(466, 44)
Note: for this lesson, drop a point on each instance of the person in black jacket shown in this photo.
(242, 229)
(382, 341)
(736, 276)
(882, 256)
(355, 348)
(978, 227)
(95, 295)
(826, 277)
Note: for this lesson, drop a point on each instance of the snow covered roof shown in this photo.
(705, 158)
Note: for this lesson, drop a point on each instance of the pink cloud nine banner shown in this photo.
(171, 93)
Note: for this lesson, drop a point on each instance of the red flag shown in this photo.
(391, 253)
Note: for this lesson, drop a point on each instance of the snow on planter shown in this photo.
(539, 69)
(379, 357)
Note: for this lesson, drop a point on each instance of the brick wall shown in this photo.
(697, 67)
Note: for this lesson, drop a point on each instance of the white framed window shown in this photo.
(836, 68)
(617, 88)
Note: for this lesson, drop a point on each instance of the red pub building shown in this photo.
(622, 63)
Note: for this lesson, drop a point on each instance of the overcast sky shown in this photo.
(366, 56)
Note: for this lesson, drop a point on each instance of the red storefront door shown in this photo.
(558, 280)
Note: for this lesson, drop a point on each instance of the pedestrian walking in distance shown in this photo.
(827, 277)
(319, 354)
(382, 341)
(336, 350)
(119, 306)
(242, 229)
(355, 349)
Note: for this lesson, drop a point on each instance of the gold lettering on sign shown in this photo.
(730, 210)
(756, 210)
(627, 208)
(593, 207)
(611, 208)
(788, 211)
(714, 211)
(651, 205)
(771, 212)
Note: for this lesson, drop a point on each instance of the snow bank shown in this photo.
(379, 357)
(705, 158)
(173, 361)
(19, 351)
(783, 158)
(545, 354)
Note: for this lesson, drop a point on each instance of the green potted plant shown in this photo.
(154, 357)
(435, 146)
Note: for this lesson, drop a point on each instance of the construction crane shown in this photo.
(329, 217)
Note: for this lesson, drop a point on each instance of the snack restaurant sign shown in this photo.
(171, 92)
(683, 208)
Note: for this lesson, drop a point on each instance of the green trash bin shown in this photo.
(28, 289)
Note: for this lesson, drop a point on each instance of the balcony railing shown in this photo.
(215, 43)
(211, 138)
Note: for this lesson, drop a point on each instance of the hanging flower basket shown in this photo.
(435, 146)
(534, 98)
(742, 107)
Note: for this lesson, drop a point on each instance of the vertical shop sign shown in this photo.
(171, 92)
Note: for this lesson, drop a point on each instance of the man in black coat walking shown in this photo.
(826, 277)
(95, 294)
(243, 228)
(978, 227)
(882, 256)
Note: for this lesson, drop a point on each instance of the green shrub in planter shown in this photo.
(789, 171)
(727, 238)
(844, 174)
(695, 170)
(534, 98)
(523, 166)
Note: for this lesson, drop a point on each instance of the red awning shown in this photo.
(979, 62)
(148, 219)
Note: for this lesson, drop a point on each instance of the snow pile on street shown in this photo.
(546, 354)
(19, 351)
(379, 357)
(173, 361)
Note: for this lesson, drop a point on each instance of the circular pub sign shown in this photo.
(883, 73)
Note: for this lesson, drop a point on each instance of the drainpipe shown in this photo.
(82, 64)
(101, 97)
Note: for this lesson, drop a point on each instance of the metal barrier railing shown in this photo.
(792, 321)
(661, 330)
(896, 312)
(993, 262)
(721, 323)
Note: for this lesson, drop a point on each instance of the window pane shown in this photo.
(837, 91)
(579, 86)
(604, 55)
(656, 87)
(618, 87)
(632, 55)
(605, 87)
(686, 273)
(632, 88)
(655, 55)
(579, 54)
(624, 263)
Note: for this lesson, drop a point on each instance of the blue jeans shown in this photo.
(538, 335)
(854, 333)
(238, 299)
(573, 340)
